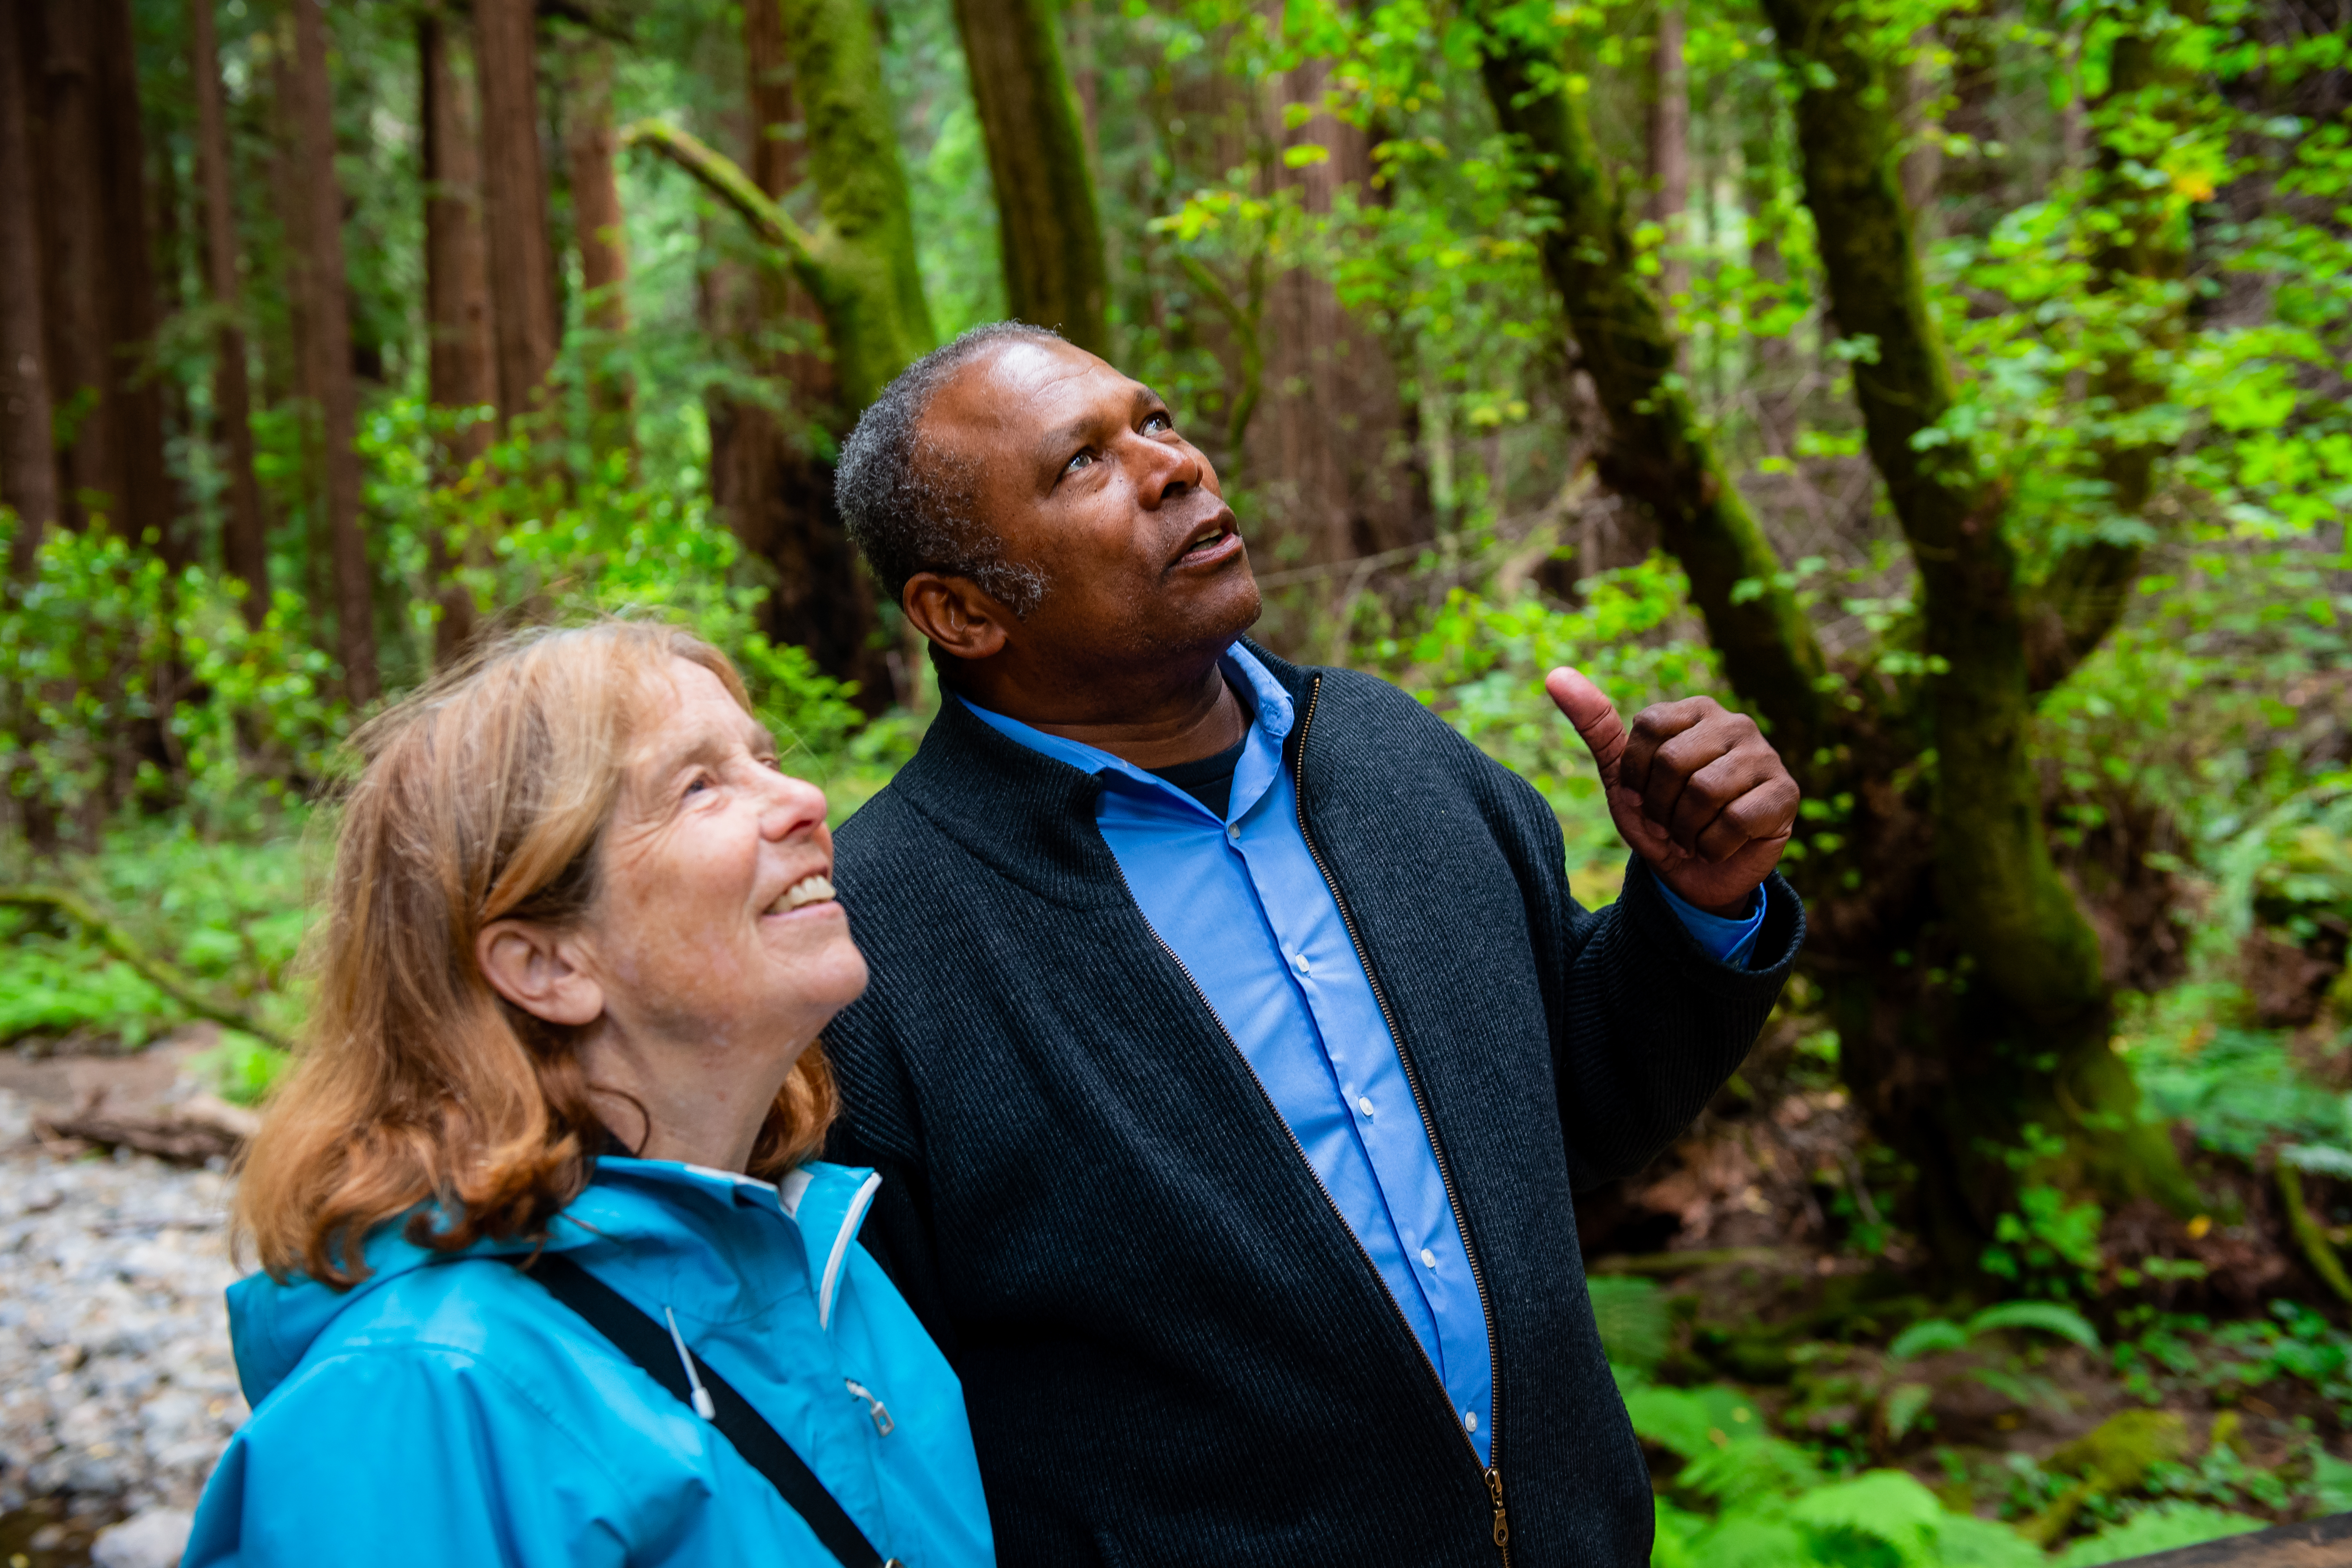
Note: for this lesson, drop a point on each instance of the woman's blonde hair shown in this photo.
(483, 796)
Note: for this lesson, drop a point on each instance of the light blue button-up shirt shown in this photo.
(1248, 913)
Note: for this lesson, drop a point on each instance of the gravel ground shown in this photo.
(117, 1390)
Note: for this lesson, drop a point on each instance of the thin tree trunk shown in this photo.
(1046, 216)
(149, 503)
(461, 366)
(589, 140)
(28, 471)
(77, 266)
(1670, 148)
(514, 202)
(245, 538)
(330, 351)
(1658, 453)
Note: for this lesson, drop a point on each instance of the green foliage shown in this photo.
(2163, 1528)
(1631, 1315)
(1934, 1336)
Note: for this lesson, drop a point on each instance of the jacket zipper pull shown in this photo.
(1502, 1519)
(883, 1425)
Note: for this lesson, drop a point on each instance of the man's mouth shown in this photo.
(1214, 538)
(813, 890)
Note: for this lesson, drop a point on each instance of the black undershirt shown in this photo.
(1208, 780)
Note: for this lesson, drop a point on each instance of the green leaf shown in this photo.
(1902, 1407)
(1631, 1315)
(1304, 154)
(2047, 1316)
(2163, 1528)
(1932, 1336)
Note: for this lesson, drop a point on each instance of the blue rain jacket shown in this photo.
(448, 1410)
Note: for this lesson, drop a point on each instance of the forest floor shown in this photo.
(2232, 1391)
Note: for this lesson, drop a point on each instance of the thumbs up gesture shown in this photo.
(1694, 789)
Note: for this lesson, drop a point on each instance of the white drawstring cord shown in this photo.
(702, 1405)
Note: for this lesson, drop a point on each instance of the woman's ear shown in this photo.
(538, 971)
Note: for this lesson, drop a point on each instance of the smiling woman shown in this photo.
(581, 941)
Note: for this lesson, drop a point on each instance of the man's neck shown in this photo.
(1199, 721)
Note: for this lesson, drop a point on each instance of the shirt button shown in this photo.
(1428, 1258)
(1365, 1105)
(1469, 1421)
(1298, 962)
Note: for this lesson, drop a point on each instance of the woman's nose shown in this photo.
(794, 805)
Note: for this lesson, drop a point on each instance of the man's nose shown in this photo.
(1164, 470)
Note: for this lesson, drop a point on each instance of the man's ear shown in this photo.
(962, 619)
(538, 971)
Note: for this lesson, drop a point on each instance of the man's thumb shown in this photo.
(1595, 718)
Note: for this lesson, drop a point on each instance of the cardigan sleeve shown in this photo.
(1646, 1023)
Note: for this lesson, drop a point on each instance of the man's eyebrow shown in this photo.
(1076, 430)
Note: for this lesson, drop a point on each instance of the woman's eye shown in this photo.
(699, 782)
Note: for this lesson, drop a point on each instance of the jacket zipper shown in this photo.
(1493, 1471)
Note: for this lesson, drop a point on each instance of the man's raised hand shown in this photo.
(1694, 789)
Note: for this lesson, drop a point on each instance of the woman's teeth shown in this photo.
(807, 891)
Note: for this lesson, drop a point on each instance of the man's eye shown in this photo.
(1082, 460)
(1158, 422)
(697, 784)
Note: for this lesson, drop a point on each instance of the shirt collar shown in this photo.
(1270, 724)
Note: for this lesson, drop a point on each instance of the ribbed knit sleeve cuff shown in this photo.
(1769, 962)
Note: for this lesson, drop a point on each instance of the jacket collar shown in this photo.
(1026, 815)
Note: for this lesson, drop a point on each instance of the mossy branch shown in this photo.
(1246, 321)
(725, 179)
(165, 977)
(2309, 1234)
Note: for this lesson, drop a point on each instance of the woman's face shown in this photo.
(715, 924)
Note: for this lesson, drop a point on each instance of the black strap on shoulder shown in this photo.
(647, 1343)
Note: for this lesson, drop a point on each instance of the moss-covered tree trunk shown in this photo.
(1964, 983)
(2026, 1008)
(859, 260)
(1047, 215)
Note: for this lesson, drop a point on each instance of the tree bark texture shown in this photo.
(589, 140)
(324, 282)
(28, 469)
(461, 366)
(766, 473)
(135, 394)
(1658, 454)
(1331, 422)
(77, 285)
(1670, 146)
(1046, 216)
(245, 533)
(2032, 1001)
(514, 202)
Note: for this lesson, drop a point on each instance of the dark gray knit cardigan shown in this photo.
(1172, 1346)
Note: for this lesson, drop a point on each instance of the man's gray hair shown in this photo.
(909, 505)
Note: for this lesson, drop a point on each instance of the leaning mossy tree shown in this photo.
(859, 262)
(1964, 980)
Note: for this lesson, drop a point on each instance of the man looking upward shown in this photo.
(1234, 1047)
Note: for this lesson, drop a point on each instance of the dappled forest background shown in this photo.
(1958, 385)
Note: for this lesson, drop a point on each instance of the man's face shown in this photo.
(1082, 477)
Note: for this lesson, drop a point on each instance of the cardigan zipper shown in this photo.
(1493, 1470)
(1502, 1531)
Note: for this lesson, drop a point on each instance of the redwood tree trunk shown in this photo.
(245, 534)
(28, 471)
(1047, 215)
(136, 396)
(77, 263)
(588, 143)
(765, 471)
(461, 366)
(329, 346)
(514, 202)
